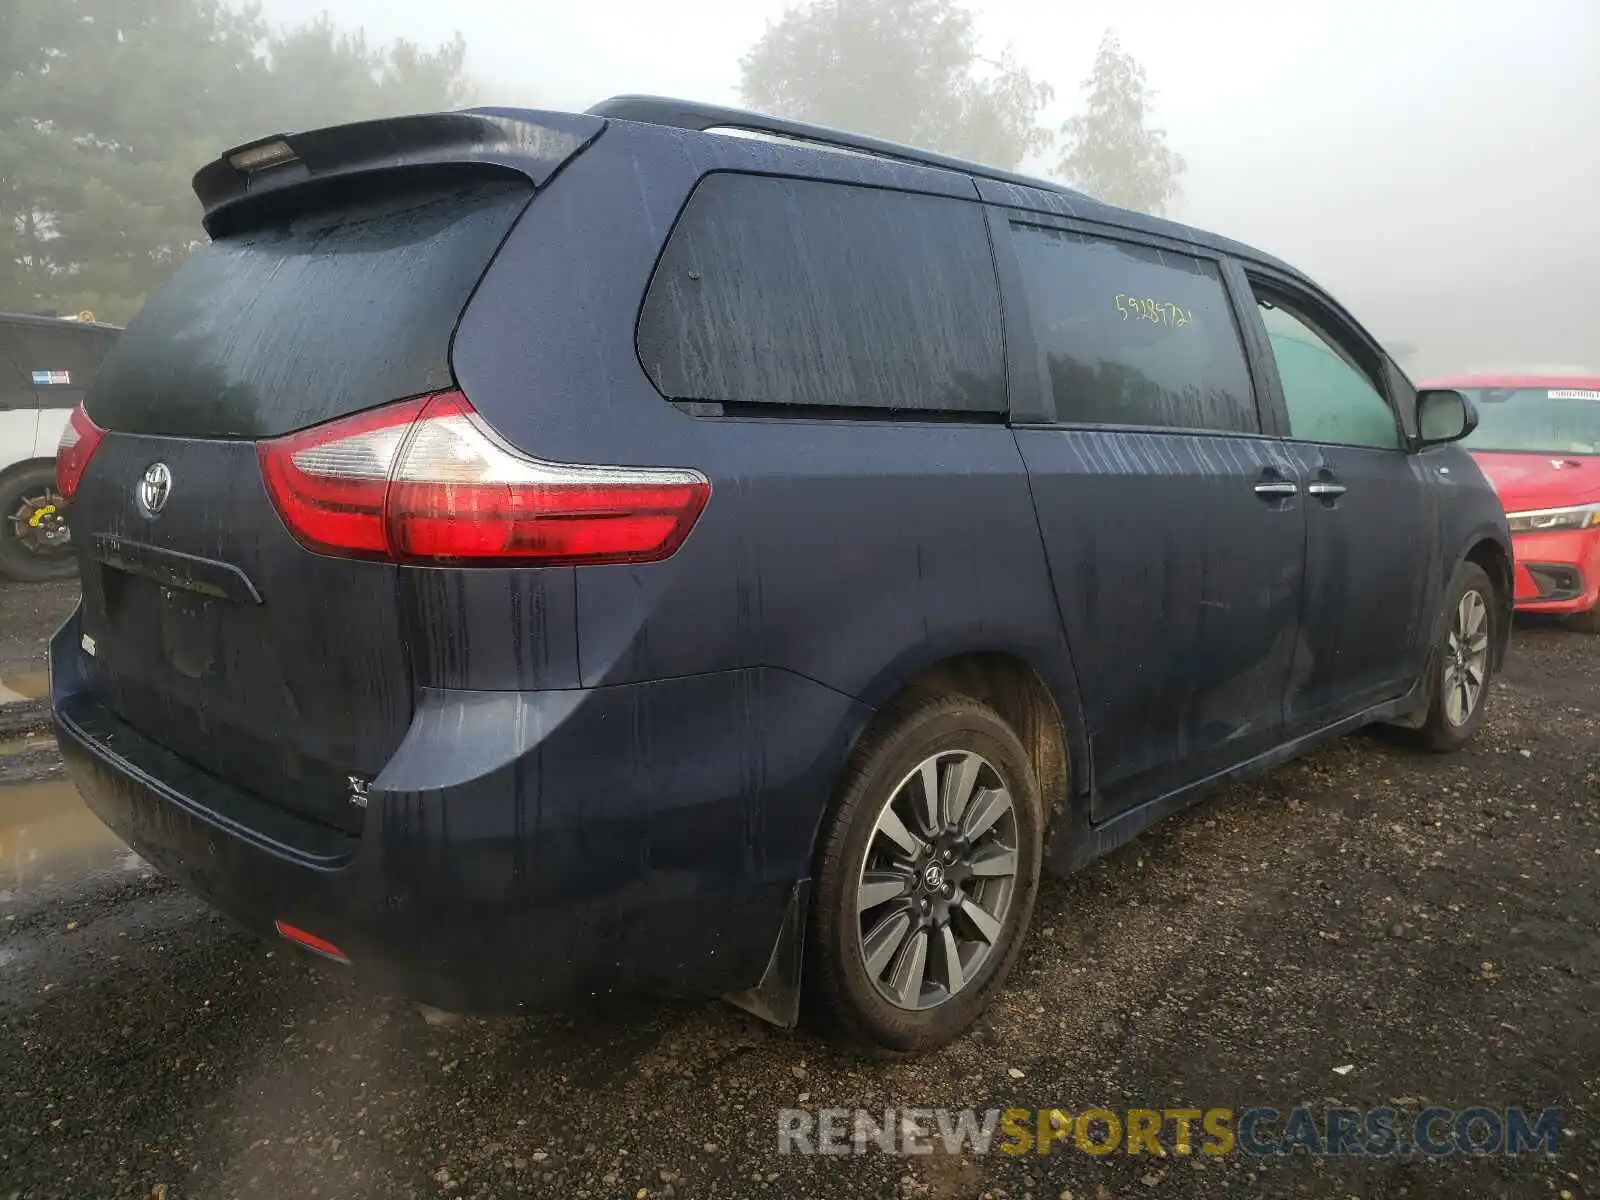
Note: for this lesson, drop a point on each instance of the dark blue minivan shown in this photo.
(666, 548)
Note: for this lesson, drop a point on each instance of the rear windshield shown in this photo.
(321, 315)
(1536, 420)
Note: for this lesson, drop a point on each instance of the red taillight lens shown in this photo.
(427, 481)
(79, 440)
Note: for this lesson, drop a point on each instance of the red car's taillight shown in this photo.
(426, 480)
(79, 440)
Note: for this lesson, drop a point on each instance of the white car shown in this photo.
(46, 363)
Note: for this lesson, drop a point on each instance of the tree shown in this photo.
(1109, 151)
(107, 108)
(906, 70)
(320, 73)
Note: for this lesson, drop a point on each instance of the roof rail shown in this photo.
(688, 114)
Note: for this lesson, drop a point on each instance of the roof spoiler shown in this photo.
(534, 144)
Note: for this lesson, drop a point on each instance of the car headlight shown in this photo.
(1545, 519)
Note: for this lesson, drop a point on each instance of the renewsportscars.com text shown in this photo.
(1260, 1131)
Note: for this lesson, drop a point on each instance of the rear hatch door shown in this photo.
(214, 631)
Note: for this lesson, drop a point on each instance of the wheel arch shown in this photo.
(1041, 707)
(12, 470)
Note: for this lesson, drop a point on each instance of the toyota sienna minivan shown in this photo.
(529, 555)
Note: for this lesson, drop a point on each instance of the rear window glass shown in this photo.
(824, 296)
(320, 315)
(51, 359)
(1133, 335)
(12, 376)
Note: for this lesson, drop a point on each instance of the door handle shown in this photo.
(1277, 490)
(1326, 491)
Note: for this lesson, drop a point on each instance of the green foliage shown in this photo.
(108, 107)
(321, 74)
(906, 70)
(1110, 152)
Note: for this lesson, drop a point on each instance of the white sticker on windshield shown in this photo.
(1573, 394)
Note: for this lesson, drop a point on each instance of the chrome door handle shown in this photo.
(1277, 491)
(1328, 491)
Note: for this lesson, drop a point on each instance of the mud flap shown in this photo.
(776, 998)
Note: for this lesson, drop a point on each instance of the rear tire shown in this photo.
(35, 543)
(1463, 663)
(920, 908)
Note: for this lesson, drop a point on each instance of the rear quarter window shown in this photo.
(1134, 335)
(807, 296)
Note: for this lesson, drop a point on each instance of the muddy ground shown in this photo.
(1428, 923)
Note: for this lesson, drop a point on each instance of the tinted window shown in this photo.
(1330, 398)
(16, 389)
(795, 292)
(11, 372)
(58, 358)
(1132, 335)
(319, 315)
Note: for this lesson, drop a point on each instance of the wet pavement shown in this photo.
(29, 614)
(1367, 926)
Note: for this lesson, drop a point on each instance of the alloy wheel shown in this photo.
(1466, 658)
(938, 880)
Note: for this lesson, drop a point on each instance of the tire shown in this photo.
(35, 543)
(874, 1008)
(1445, 729)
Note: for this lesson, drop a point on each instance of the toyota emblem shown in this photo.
(154, 489)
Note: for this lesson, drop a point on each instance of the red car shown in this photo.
(1538, 441)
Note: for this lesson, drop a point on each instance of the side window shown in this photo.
(825, 296)
(59, 360)
(1133, 335)
(1330, 396)
(16, 386)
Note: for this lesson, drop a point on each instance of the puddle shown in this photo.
(46, 832)
(24, 685)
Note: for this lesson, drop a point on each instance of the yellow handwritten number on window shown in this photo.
(1157, 312)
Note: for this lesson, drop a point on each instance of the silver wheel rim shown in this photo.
(1466, 659)
(938, 879)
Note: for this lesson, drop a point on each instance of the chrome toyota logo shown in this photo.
(154, 489)
(933, 877)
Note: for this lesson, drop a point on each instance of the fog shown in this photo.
(1435, 165)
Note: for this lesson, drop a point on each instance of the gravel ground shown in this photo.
(1429, 923)
(29, 614)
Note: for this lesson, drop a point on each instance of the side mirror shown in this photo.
(1444, 416)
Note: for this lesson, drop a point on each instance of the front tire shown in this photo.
(926, 878)
(1463, 663)
(35, 543)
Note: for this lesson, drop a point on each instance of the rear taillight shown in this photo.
(426, 480)
(79, 440)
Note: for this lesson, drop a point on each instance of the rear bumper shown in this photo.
(519, 848)
(1557, 573)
